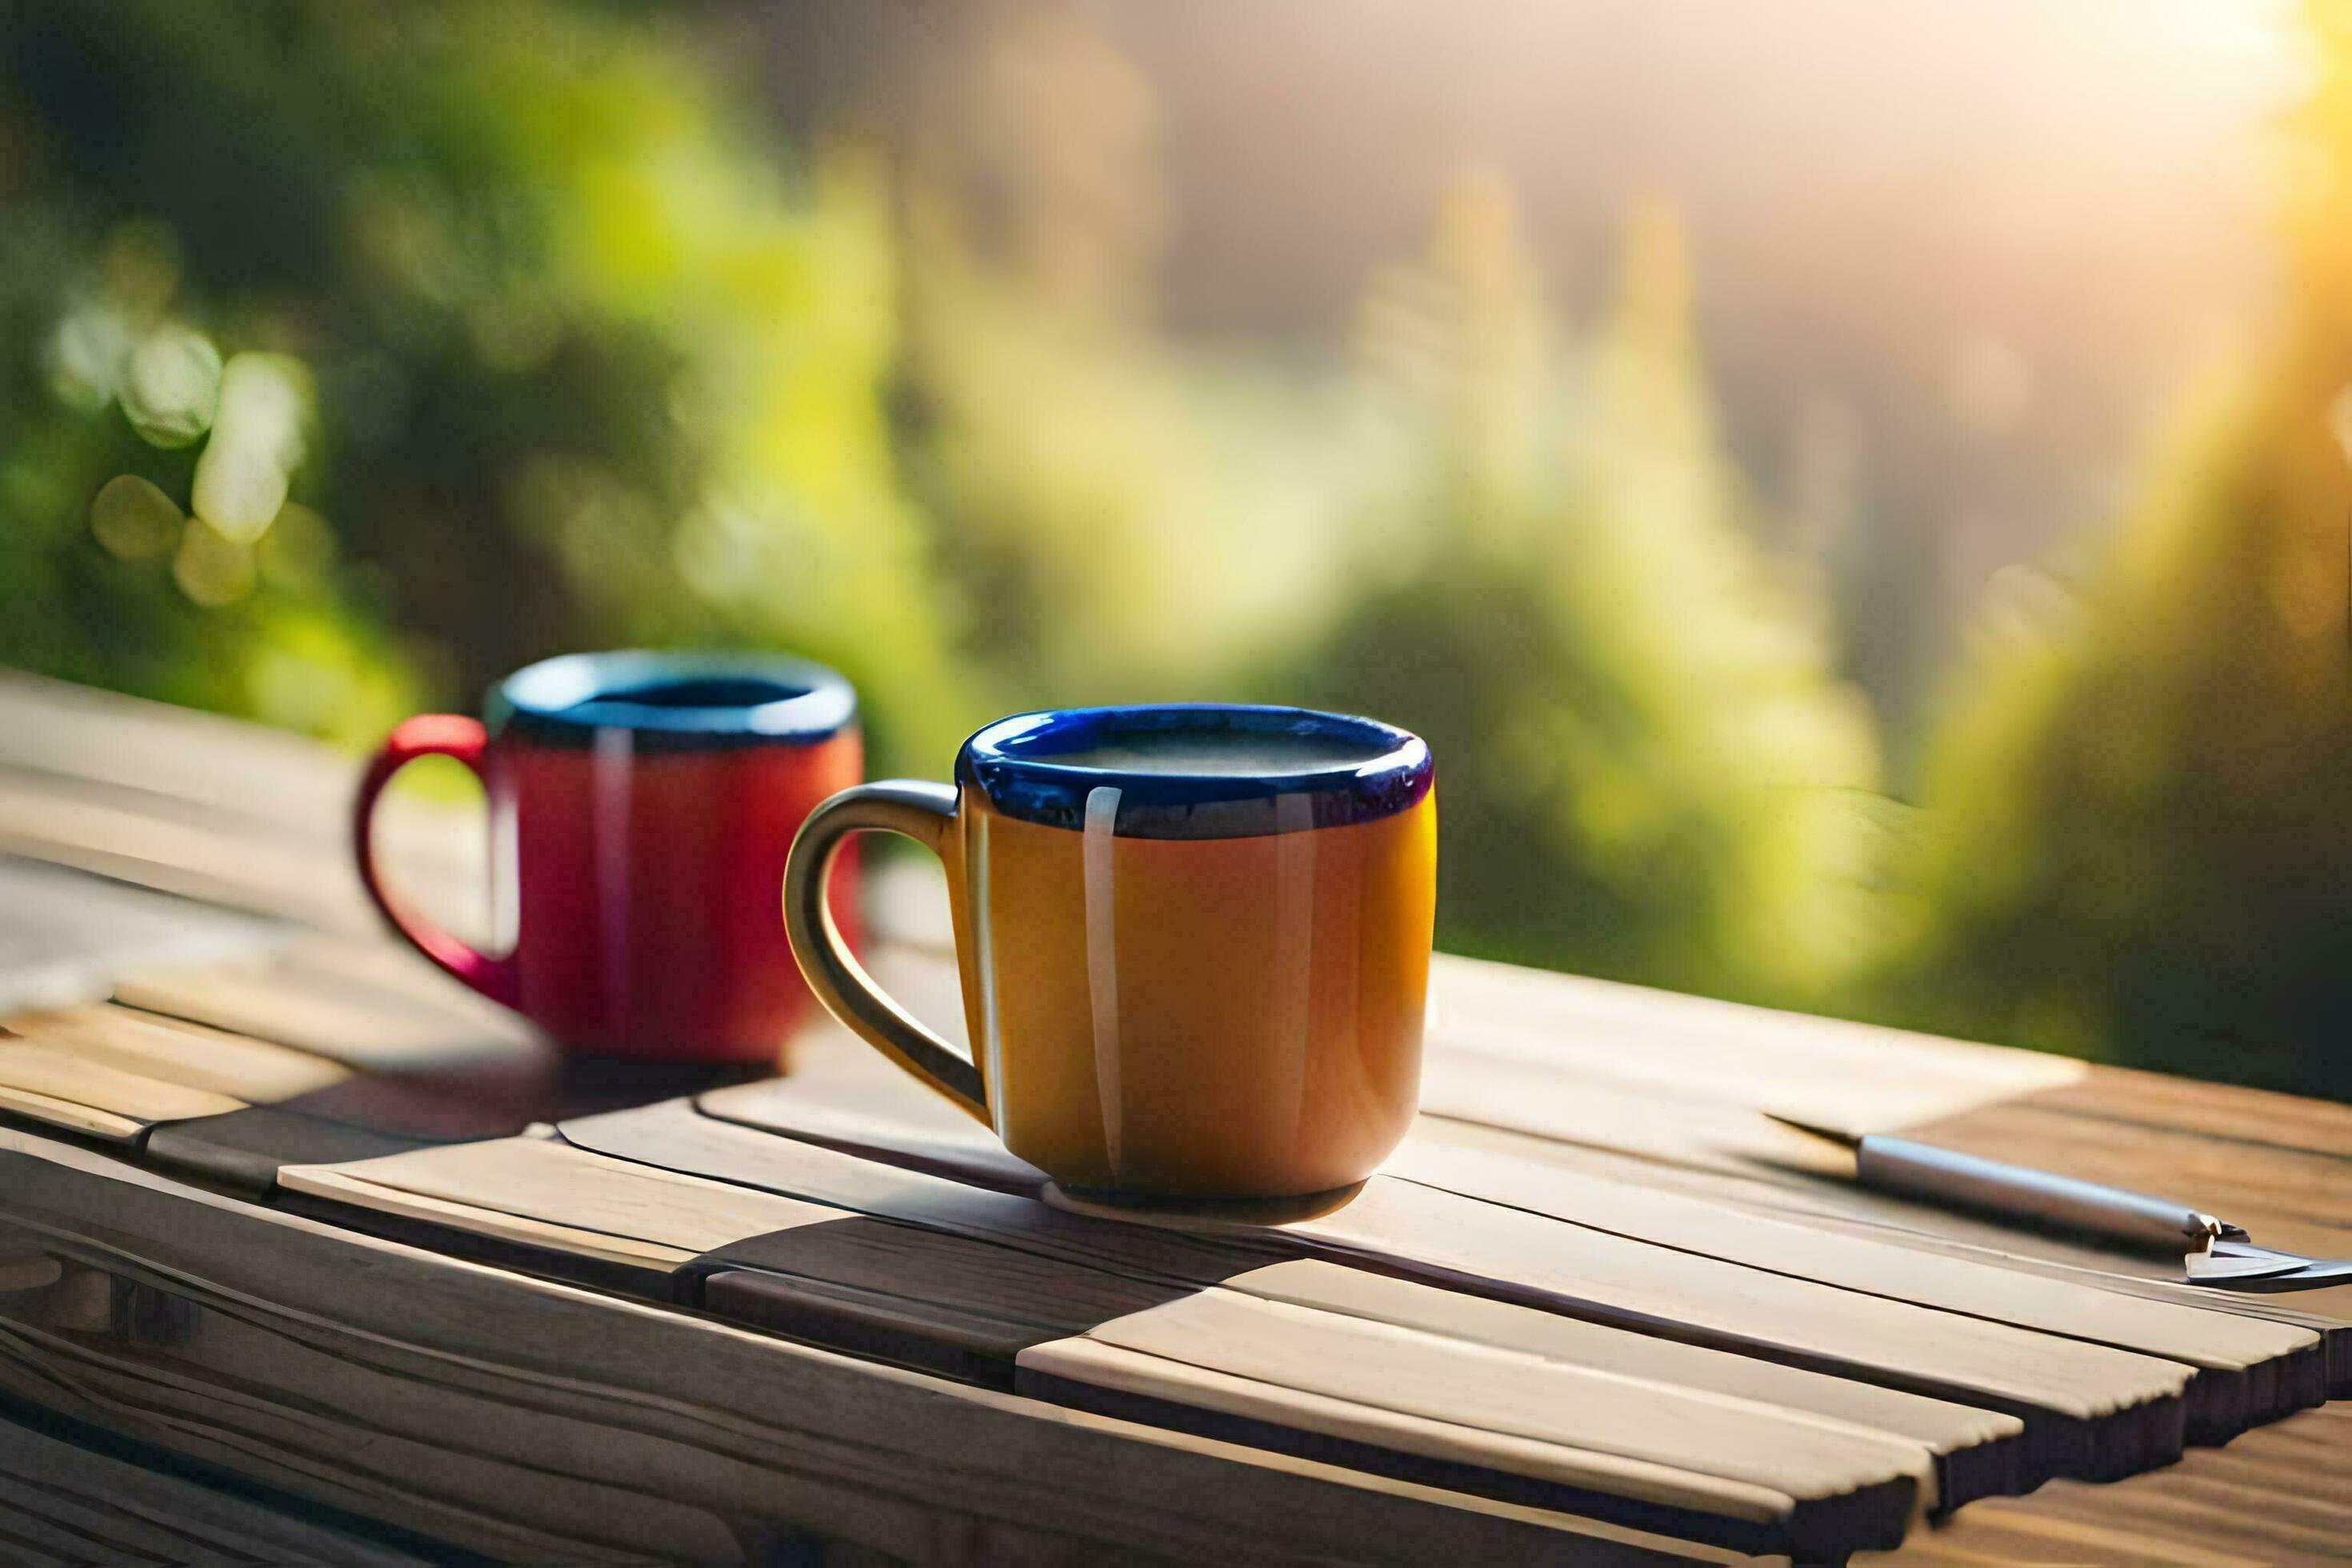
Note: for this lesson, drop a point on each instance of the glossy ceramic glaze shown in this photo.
(1204, 984)
(642, 807)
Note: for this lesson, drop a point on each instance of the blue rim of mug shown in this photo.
(673, 701)
(1012, 763)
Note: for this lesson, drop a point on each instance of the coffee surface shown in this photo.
(1220, 753)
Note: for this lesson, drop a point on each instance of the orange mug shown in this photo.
(1195, 942)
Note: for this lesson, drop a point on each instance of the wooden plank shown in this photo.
(550, 1195)
(1697, 1133)
(2275, 1495)
(2250, 1369)
(255, 1072)
(1601, 1435)
(842, 1111)
(326, 1181)
(637, 1403)
(2087, 1408)
(70, 1116)
(897, 1292)
(129, 843)
(65, 936)
(1498, 1390)
(129, 1512)
(36, 1542)
(242, 770)
(246, 1149)
(215, 808)
(673, 1136)
(1034, 1299)
(1083, 1374)
(305, 998)
(2252, 1116)
(1837, 1206)
(1690, 1049)
(543, 1181)
(34, 1076)
(917, 1297)
(1975, 1449)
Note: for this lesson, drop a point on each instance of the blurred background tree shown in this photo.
(1133, 516)
(589, 368)
(1662, 779)
(2141, 841)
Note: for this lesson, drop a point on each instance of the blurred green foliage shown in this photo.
(1656, 773)
(349, 358)
(589, 367)
(2140, 803)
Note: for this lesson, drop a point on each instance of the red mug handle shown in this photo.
(427, 735)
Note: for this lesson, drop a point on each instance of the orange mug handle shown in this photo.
(925, 813)
(462, 740)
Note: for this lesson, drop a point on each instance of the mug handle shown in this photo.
(427, 735)
(925, 813)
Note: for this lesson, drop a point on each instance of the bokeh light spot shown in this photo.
(171, 387)
(299, 551)
(134, 519)
(86, 356)
(211, 570)
(257, 439)
(239, 489)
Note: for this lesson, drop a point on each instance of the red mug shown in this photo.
(642, 806)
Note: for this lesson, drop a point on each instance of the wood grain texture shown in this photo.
(2250, 1369)
(936, 1302)
(526, 1230)
(103, 1508)
(846, 1111)
(675, 1137)
(246, 1149)
(34, 1075)
(1088, 1375)
(1599, 1434)
(2250, 1116)
(1837, 1206)
(70, 1116)
(308, 998)
(2088, 1409)
(254, 1072)
(214, 808)
(605, 1419)
(1039, 1291)
(64, 936)
(826, 1275)
(1696, 1050)
(1975, 1448)
(546, 1182)
(2275, 1495)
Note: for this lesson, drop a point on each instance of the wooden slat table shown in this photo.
(289, 1212)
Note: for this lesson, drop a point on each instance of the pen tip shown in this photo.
(1818, 1130)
